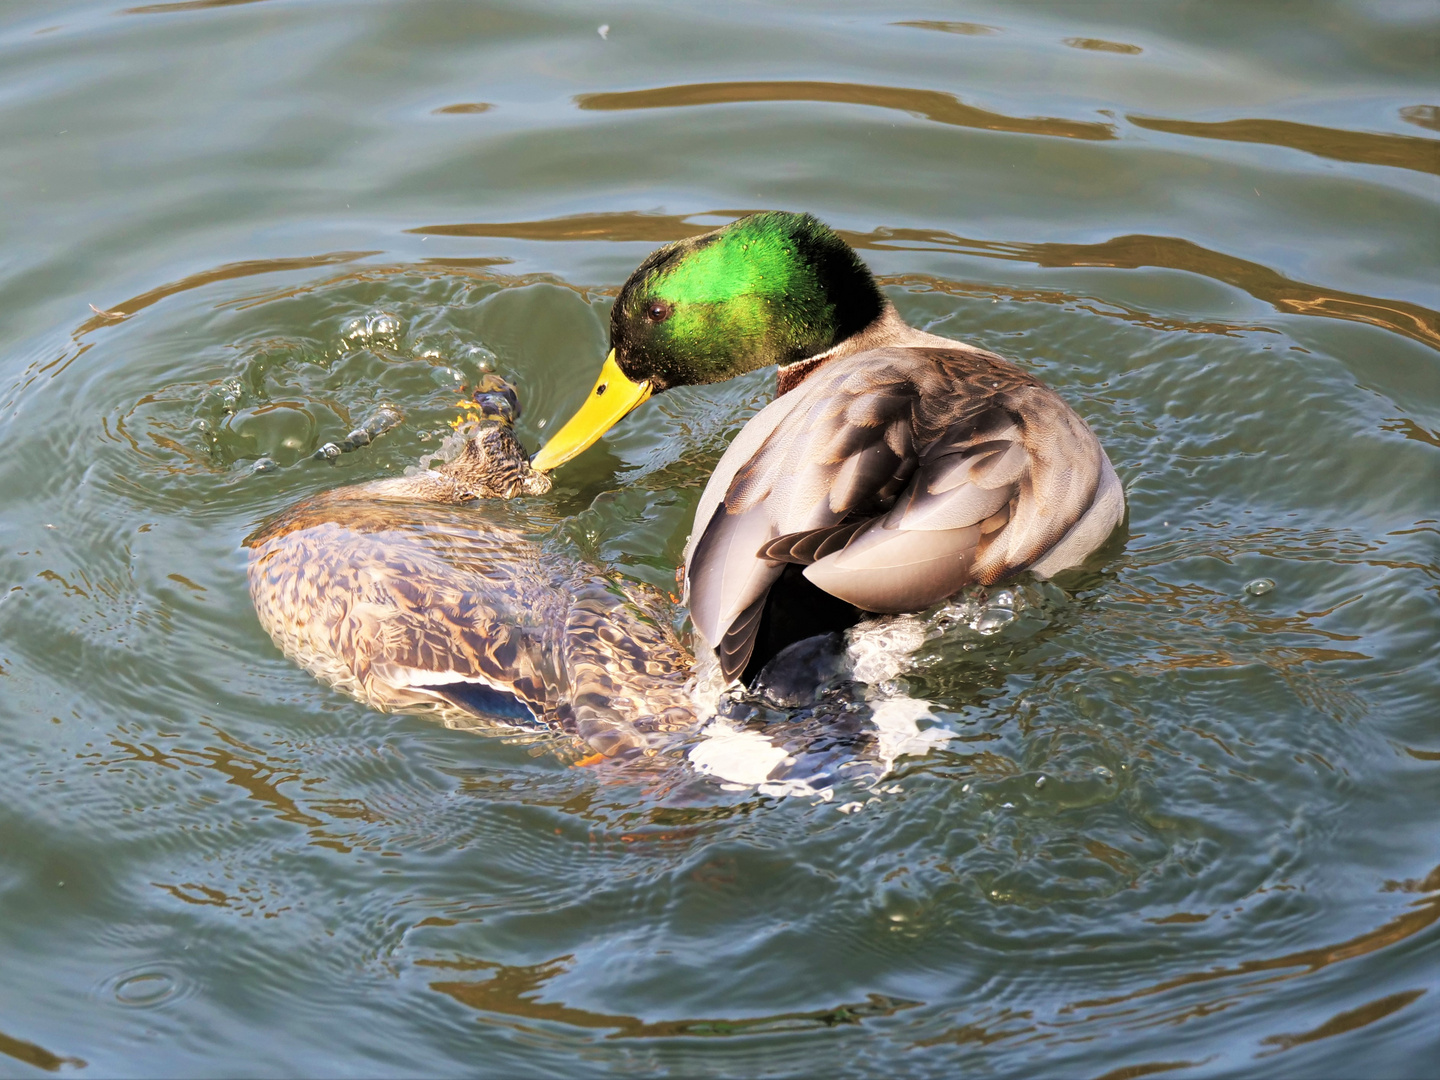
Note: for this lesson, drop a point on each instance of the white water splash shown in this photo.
(898, 733)
(743, 759)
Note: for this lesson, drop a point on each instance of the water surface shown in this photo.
(1187, 823)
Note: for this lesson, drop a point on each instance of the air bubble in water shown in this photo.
(1259, 587)
(993, 621)
(380, 324)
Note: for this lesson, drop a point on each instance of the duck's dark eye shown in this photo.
(658, 311)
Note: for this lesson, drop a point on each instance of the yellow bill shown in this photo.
(612, 399)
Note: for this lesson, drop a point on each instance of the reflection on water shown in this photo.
(1426, 116)
(512, 993)
(968, 29)
(930, 104)
(1123, 252)
(1350, 1020)
(1101, 45)
(184, 5)
(37, 1056)
(1365, 147)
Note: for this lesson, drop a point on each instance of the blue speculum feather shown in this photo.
(486, 700)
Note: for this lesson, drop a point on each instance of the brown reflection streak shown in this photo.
(1101, 45)
(1343, 1022)
(207, 897)
(1121, 253)
(1094, 305)
(251, 771)
(1423, 914)
(1365, 147)
(512, 992)
(969, 29)
(931, 104)
(1179, 917)
(1426, 116)
(1173, 253)
(463, 107)
(462, 263)
(37, 1056)
(1149, 1068)
(226, 272)
(979, 1033)
(184, 5)
(623, 227)
(1411, 430)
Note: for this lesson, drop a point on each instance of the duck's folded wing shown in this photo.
(440, 640)
(831, 453)
(898, 477)
(405, 616)
(995, 493)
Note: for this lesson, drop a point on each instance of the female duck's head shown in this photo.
(491, 463)
(768, 289)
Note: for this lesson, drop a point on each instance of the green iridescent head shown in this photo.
(767, 289)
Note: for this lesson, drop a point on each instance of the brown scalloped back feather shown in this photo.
(421, 595)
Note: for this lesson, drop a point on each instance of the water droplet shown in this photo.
(1260, 586)
(1102, 772)
(1040, 782)
(265, 465)
(1007, 806)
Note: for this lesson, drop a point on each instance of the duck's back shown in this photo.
(455, 610)
(896, 476)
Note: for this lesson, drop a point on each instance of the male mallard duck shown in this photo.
(894, 466)
(407, 595)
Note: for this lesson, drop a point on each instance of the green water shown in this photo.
(1214, 228)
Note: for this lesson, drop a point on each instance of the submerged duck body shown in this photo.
(893, 468)
(426, 594)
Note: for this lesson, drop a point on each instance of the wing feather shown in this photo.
(897, 476)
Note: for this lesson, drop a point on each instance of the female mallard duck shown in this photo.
(405, 594)
(894, 466)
